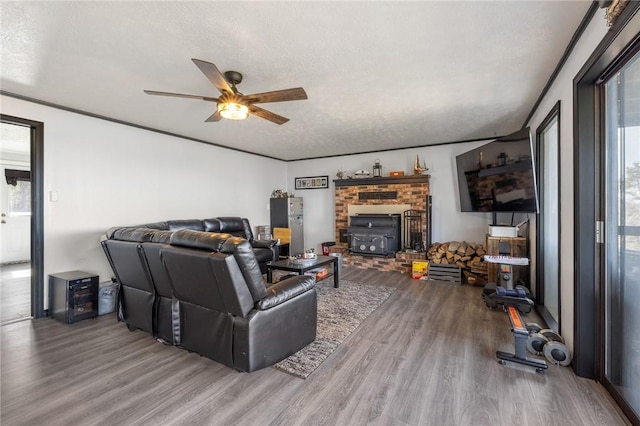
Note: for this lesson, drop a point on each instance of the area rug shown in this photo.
(340, 311)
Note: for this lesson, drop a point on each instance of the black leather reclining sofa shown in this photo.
(204, 291)
(265, 250)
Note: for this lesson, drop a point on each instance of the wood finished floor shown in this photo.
(425, 357)
(15, 292)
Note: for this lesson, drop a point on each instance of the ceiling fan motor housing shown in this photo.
(233, 77)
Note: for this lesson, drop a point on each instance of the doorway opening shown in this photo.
(21, 220)
(15, 223)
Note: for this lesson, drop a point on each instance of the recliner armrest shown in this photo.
(285, 290)
(270, 244)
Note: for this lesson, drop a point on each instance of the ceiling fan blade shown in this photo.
(214, 75)
(214, 117)
(181, 95)
(295, 94)
(267, 115)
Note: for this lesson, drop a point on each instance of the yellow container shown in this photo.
(420, 269)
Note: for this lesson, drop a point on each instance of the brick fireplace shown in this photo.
(383, 195)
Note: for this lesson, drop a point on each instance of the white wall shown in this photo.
(562, 89)
(448, 223)
(108, 174)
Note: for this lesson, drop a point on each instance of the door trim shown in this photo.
(37, 211)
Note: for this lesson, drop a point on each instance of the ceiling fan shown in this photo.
(233, 104)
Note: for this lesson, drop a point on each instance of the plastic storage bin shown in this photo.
(107, 293)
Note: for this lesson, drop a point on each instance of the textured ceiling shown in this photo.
(379, 75)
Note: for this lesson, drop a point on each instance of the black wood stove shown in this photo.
(374, 234)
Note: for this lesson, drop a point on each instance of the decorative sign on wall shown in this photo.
(313, 182)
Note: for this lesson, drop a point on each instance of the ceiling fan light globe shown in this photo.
(233, 111)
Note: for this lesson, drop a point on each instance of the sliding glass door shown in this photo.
(622, 232)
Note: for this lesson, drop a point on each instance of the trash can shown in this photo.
(339, 260)
(325, 247)
(107, 293)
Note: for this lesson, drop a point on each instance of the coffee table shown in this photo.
(303, 265)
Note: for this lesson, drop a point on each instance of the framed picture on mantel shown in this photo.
(313, 182)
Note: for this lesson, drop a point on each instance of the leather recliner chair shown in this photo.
(136, 293)
(226, 311)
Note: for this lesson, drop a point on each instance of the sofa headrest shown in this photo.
(193, 224)
(248, 263)
(231, 224)
(141, 235)
(211, 241)
(109, 234)
(156, 225)
(163, 226)
(159, 236)
(211, 225)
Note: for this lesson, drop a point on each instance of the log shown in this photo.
(462, 248)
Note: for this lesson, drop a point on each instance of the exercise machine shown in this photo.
(512, 300)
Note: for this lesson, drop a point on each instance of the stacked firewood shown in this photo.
(467, 256)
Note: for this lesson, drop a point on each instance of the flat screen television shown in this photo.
(499, 176)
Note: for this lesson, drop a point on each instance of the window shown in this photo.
(19, 199)
(548, 237)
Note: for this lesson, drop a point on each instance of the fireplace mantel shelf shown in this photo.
(388, 180)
